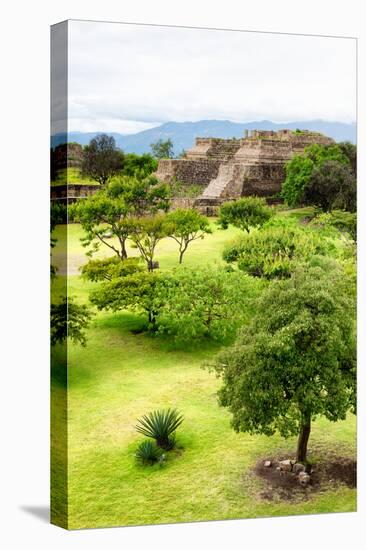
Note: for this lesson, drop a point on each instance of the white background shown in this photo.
(24, 370)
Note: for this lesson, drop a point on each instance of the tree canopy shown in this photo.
(296, 359)
(69, 320)
(139, 165)
(102, 159)
(300, 169)
(163, 149)
(202, 303)
(185, 226)
(274, 252)
(331, 186)
(244, 213)
(112, 211)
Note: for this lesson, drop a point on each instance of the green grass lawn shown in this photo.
(121, 375)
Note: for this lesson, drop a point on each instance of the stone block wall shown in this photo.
(197, 172)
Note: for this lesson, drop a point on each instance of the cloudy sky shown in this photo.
(127, 78)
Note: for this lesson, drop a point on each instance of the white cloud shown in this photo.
(129, 77)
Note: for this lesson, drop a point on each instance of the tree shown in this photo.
(185, 226)
(102, 159)
(350, 151)
(69, 320)
(111, 211)
(296, 359)
(204, 303)
(300, 168)
(244, 213)
(110, 268)
(103, 216)
(146, 233)
(135, 292)
(162, 149)
(139, 165)
(331, 185)
(274, 252)
(143, 196)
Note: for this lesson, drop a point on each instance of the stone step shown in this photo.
(218, 184)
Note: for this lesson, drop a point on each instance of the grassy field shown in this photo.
(121, 375)
(72, 175)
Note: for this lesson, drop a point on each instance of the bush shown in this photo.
(274, 252)
(161, 425)
(203, 303)
(148, 453)
(345, 222)
(110, 268)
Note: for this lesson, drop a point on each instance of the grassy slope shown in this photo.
(121, 375)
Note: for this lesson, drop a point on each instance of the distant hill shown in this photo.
(183, 134)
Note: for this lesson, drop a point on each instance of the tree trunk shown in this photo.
(302, 444)
(123, 250)
(181, 256)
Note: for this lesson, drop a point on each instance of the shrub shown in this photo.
(274, 252)
(110, 268)
(161, 425)
(203, 303)
(343, 221)
(148, 453)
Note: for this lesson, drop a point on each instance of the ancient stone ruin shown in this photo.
(232, 168)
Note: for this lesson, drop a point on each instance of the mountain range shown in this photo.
(183, 134)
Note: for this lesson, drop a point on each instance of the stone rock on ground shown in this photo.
(286, 465)
(304, 478)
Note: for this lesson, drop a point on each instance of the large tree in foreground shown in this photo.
(296, 360)
(102, 159)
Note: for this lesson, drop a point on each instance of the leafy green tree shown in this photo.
(185, 226)
(274, 252)
(350, 151)
(139, 165)
(300, 168)
(331, 185)
(69, 320)
(244, 213)
(110, 268)
(135, 292)
(103, 216)
(204, 303)
(143, 196)
(111, 212)
(162, 149)
(102, 159)
(296, 359)
(146, 233)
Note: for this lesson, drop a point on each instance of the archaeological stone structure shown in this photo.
(231, 168)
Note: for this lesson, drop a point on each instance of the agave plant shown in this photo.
(161, 426)
(148, 453)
